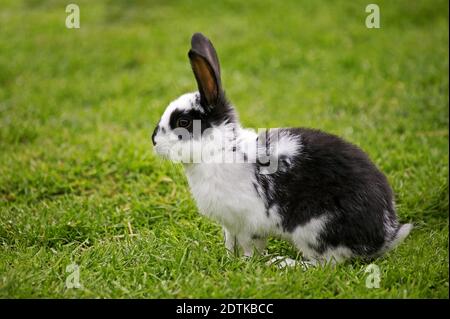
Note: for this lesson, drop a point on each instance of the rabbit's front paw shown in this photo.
(231, 243)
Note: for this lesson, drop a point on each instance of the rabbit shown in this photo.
(325, 196)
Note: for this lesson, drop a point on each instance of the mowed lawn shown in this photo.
(79, 183)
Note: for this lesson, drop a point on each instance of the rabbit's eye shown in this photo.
(183, 122)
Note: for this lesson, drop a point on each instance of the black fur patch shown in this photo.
(221, 113)
(154, 134)
(256, 237)
(332, 178)
(190, 114)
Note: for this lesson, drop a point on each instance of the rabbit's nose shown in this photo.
(154, 134)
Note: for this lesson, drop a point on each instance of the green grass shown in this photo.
(79, 181)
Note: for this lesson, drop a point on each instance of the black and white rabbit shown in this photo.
(325, 196)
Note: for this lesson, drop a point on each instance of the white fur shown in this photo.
(307, 235)
(402, 233)
(390, 226)
(288, 145)
(393, 231)
(225, 193)
(336, 254)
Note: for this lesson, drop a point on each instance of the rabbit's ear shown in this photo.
(206, 68)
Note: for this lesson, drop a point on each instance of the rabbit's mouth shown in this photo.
(178, 153)
(162, 150)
